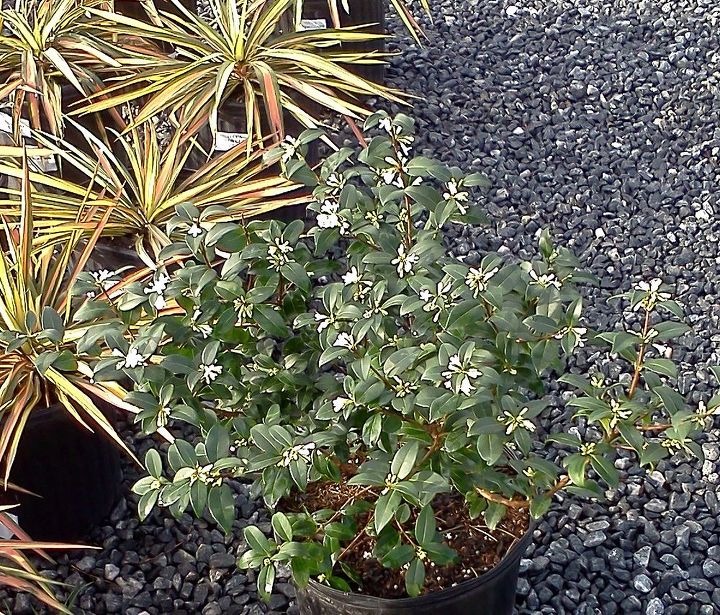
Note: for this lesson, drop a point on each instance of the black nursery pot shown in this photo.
(492, 593)
(76, 472)
(362, 12)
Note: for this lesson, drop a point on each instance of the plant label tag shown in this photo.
(6, 533)
(313, 24)
(45, 164)
(6, 125)
(225, 141)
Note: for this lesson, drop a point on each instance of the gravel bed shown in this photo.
(598, 119)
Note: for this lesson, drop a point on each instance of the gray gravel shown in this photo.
(598, 119)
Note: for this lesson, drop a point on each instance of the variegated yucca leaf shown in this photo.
(138, 184)
(17, 571)
(47, 43)
(245, 51)
(40, 363)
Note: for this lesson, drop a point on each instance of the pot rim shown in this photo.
(351, 598)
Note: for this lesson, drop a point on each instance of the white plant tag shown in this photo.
(6, 125)
(313, 24)
(45, 164)
(225, 141)
(5, 533)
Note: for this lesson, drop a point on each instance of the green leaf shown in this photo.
(539, 506)
(65, 362)
(493, 514)
(671, 399)
(153, 463)
(198, 497)
(398, 556)
(270, 320)
(605, 469)
(265, 581)
(385, 508)
(257, 541)
(490, 447)
(217, 442)
(147, 503)
(575, 465)
(281, 525)
(52, 324)
(415, 577)
(565, 439)
(670, 330)
(664, 367)
(404, 460)
(440, 553)
(425, 525)
(631, 435)
(221, 504)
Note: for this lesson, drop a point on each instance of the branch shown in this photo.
(520, 503)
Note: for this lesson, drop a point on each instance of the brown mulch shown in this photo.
(479, 549)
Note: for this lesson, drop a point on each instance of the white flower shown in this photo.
(375, 218)
(457, 196)
(386, 125)
(396, 173)
(374, 307)
(677, 445)
(352, 276)
(340, 403)
(578, 332)
(652, 292)
(329, 217)
(210, 372)
(512, 422)
(243, 309)
(345, 340)
(204, 329)
(304, 451)
(401, 387)
(336, 182)
(163, 416)
(459, 376)
(546, 280)
(289, 147)
(432, 299)
(157, 287)
(404, 261)
(131, 360)
(278, 252)
(195, 230)
(477, 279)
(324, 321)
(104, 278)
(618, 414)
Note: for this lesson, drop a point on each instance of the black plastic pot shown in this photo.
(134, 9)
(492, 593)
(362, 12)
(76, 472)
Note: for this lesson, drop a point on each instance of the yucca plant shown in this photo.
(46, 44)
(16, 570)
(241, 53)
(50, 339)
(138, 188)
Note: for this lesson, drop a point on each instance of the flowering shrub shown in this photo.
(395, 369)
